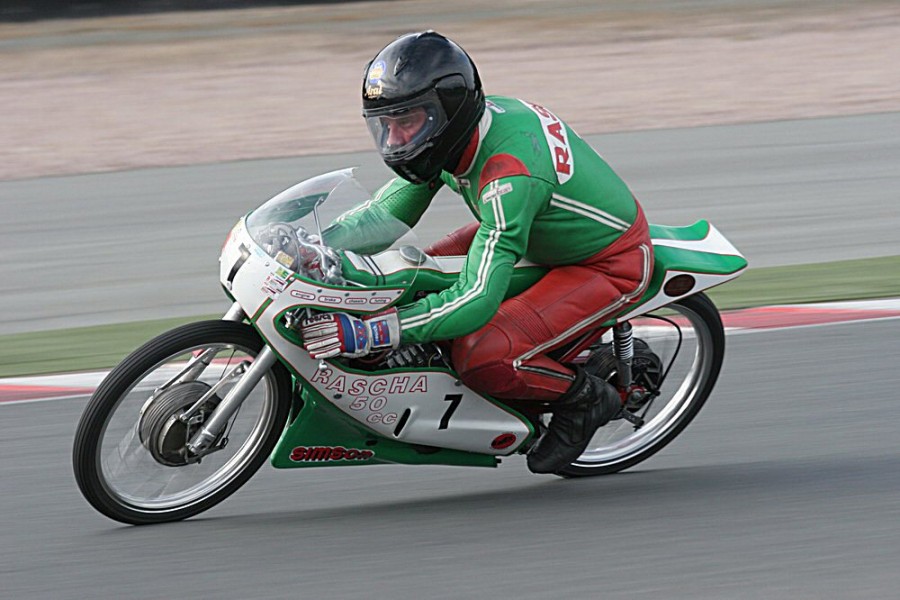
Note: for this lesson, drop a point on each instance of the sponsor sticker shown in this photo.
(284, 259)
(491, 106)
(374, 86)
(274, 284)
(495, 191)
(330, 454)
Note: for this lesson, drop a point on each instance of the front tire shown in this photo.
(129, 455)
(690, 341)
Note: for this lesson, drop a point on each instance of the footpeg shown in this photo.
(632, 418)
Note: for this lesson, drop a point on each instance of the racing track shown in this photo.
(785, 486)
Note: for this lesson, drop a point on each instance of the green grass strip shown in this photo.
(80, 348)
(860, 279)
(87, 348)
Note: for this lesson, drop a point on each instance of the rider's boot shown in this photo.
(589, 404)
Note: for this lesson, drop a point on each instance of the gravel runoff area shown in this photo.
(180, 88)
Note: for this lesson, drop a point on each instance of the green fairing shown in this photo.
(695, 232)
(693, 261)
(320, 424)
(678, 259)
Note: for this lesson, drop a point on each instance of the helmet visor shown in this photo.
(402, 131)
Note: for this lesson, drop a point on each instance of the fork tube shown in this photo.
(235, 313)
(232, 401)
(199, 364)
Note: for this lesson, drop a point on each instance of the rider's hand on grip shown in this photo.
(333, 334)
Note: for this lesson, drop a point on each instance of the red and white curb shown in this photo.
(16, 390)
(49, 387)
(804, 315)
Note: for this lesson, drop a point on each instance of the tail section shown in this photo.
(687, 260)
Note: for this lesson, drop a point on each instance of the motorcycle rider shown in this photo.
(538, 192)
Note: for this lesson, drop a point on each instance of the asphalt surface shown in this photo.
(785, 486)
(116, 247)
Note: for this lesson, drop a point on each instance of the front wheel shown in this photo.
(678, 356)
(130, 456)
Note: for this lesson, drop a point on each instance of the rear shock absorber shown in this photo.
(623, 346)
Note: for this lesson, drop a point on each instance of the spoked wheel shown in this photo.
(131, 458)
(678, 355)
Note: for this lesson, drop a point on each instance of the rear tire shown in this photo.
(123, 475)
(618, 446)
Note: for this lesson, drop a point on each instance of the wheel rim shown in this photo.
(619, 441)
(130, 472)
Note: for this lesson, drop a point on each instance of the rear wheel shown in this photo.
(678, 356)
(130, 456)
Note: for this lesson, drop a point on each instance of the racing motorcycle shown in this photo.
(186, 419)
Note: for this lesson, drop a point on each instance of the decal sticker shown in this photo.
(374, 86)
(284, 259)
(233, 234)
(335, 300)
(557, 140)
(367, 386)
(329, 453)
(368, 395)
(503, 441)
(491, 106)
(495, 191)
(274, 285)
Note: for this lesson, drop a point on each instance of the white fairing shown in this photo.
(442, 411)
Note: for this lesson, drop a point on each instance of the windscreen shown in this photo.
(304, 228)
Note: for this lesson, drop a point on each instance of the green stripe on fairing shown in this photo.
(261, 310)
(691, 233)
(693, 261)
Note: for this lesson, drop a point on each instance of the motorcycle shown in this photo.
(186, 419)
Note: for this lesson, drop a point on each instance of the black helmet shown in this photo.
(422, 99)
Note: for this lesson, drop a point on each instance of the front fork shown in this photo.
(250, 375)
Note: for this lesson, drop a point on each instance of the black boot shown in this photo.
(589, 404)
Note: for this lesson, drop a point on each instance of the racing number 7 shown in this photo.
(454, 400)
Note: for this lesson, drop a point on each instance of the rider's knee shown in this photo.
(483, 361)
